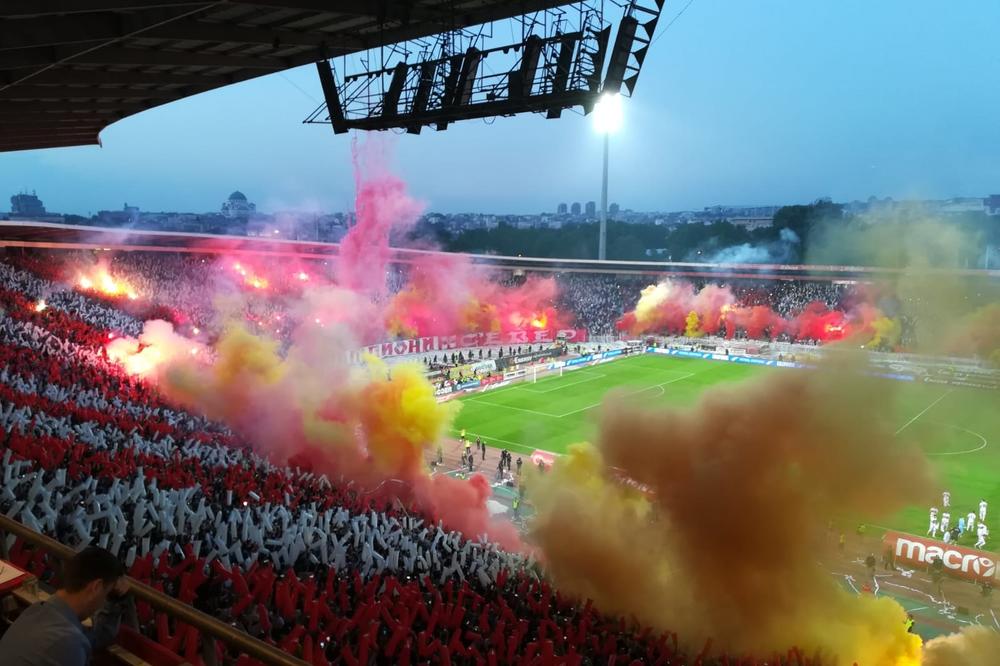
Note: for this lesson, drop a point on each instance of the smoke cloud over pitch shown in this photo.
(725, 546)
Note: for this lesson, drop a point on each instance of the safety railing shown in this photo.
(210, 628)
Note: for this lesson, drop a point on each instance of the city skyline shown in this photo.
(842, 101)
(567, 208)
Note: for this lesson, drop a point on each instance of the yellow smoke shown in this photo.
(742, 486)
(885, 330)
(401, 417)
(977, 334)
(366, 425)
(366, 421)
(973, 646)
(950, 309)
(650, 300)
(692, 326)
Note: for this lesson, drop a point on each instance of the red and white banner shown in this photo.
(490, 379)
(967, 563)
(545, 457)
(440, 343)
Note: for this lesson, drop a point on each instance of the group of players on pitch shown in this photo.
(967, 523)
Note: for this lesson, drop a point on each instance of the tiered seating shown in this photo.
(91, 455)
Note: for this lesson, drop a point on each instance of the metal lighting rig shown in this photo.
(563, 57)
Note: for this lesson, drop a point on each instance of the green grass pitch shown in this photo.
(958, 428)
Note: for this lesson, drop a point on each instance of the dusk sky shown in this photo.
(765, 102)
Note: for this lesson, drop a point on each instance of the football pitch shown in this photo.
(958, 428)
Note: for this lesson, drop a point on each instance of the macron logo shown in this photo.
(964, 562)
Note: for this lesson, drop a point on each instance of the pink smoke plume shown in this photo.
(446, 294)
(368, 426)
(383, 207)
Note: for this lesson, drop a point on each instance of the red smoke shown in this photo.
(666, 307)
(446, 295)
(758, 321)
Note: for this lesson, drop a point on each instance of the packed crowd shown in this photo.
(90, 455)
(599, 301)
(788, 297)
(184, 289)
(93, 456)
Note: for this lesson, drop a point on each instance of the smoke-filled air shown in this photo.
(724, 546)
(305, 401)
(723, 543)
(678, 308)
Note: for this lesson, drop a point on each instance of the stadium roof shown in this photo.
(76, 237)
(70, 68)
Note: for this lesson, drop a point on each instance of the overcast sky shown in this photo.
(764, 102)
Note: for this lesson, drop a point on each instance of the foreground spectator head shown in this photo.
(51, 632)
(88, 578)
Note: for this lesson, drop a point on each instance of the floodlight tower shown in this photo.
(607, 121)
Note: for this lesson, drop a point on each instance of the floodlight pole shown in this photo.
(602, 244)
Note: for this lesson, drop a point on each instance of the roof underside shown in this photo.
(70, 68)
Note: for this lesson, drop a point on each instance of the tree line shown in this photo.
(815, 233)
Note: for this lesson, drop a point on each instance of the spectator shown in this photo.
(51, 633)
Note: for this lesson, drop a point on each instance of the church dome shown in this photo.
(237, 196)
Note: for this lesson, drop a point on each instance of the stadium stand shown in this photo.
(331, 575)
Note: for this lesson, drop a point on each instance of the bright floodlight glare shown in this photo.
(608, 113)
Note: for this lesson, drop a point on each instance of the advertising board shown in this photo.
(967, 563)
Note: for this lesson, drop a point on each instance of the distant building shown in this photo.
(729, 212)
(562, 209)
(613, 209)
(26, 205)
(116, 218)
(575, 209)
(750, 222)
(960, 205)
(237, 206)
(992, 204)
(591, 209)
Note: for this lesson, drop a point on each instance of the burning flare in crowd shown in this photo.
(156, 347)
(447, 294)
(99, 279)
(250, 278)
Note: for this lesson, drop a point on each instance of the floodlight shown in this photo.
(608, 113)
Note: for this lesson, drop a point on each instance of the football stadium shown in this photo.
(230, 439)
(952, 425)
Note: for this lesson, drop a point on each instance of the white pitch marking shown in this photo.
(523, 387)
(517, 409)
(959, 453)
(925, 410)
(643, 390)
